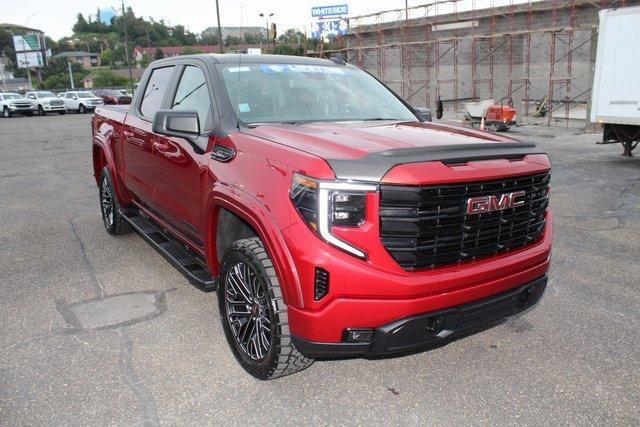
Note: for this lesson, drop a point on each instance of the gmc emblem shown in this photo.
(484, 204)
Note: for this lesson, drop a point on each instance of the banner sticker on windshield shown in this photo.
(300, 68)
(238, 69)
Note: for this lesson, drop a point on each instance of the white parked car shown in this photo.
(81, 101)
(45, 102)
(14, 103)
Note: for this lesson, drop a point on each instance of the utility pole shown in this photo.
(126, 46)
(70, 73)
(406, 10)
(4, 78)
(219, 28)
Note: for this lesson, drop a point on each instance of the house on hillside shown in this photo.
(85, 59)
(136, 73)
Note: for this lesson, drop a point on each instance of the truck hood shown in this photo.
(367, 150)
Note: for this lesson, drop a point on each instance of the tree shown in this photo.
(284, 49)
(159, 54)
(190, 50)
(106, 78)
(232, 41)
(145, 60)
(293, 36)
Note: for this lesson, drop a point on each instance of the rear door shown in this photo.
(139, 138)
(180, 166)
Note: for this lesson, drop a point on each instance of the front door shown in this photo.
(138, 138)
(180, 166)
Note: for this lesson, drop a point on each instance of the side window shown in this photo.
(31, 96)
(193, 94)
(69, 95)
(155, 90)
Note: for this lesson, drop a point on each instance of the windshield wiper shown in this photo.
(292, 122)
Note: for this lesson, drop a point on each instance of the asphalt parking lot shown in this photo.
(101, 330)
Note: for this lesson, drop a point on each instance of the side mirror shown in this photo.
(180, 123)
(423, 113)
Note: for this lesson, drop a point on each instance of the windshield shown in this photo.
(45, 94)
(305, 93)
(11, 96)
(85, 95)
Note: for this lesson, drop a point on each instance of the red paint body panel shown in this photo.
(185, 190)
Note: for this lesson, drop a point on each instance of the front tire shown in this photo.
(254, 315)
(62, 113)
(6, 113)
(41, 110)
(82, 109)
(110, 207)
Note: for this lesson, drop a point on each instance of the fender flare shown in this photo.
(256, 214)
(102, 143)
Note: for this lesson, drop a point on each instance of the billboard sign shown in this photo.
(321, 12)
(27, 42)
(329, 28)
(30, 59)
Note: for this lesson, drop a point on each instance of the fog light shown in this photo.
(359, 335)
(433, 325)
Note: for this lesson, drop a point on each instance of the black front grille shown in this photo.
(426, 227)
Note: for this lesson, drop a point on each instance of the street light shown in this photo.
(266, 18)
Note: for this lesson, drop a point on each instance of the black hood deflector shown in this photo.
(374, 166)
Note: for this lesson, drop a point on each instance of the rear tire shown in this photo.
(30, 114)
(6, 113)
(62, 113)
(254, 315)
(110, 207)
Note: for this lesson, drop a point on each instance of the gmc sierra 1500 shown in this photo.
(331, 219)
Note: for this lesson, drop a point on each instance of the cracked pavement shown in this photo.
(102, 330)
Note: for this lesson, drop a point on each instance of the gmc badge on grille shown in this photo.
(484, 204)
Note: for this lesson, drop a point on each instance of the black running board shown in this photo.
(181, 257)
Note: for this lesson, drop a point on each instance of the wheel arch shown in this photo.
(252, 218)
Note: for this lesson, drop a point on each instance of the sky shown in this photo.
(56, 17)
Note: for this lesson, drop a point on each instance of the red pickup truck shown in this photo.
(330, 217)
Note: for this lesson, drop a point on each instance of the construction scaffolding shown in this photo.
(537, 55)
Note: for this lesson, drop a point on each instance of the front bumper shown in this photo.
(47, 107)
(20, 110)
(433, 328)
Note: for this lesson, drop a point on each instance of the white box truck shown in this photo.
(615, 98)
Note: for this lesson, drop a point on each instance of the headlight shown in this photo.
(324, 204)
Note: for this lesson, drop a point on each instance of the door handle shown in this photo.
(160, 146)
(127, 134)
(223, 154)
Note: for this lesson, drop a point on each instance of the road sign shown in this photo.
(30, 59)
(27, 42)
(321, 12)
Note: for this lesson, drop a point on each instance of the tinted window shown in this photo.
(193, 94)
(155, 90)
(307, 93)
(70, 95)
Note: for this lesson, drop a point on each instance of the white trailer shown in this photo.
(615, 98)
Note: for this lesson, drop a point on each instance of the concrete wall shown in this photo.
(419, 60)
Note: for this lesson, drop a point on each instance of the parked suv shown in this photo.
(81, 101)
(331, 218)
(13, 103)
(45, 102)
